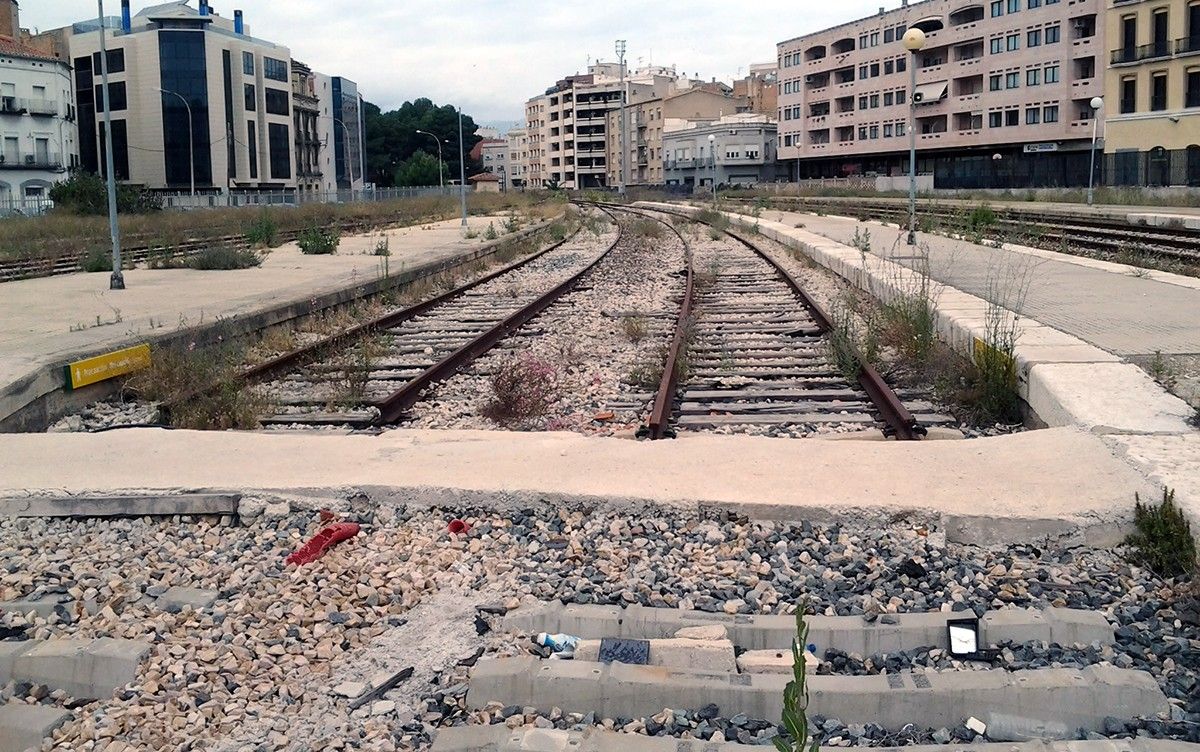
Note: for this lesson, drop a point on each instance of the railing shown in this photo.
(22, 161)
(1153, 51)
(1187, 45)
(31, 206)
(297, 198)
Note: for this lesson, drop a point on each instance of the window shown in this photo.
(1193, 88)
(116, 61)
(1012, 117)
(888, 130)
(875, 39)
(280, 142)
(276, 70)
(874, 131)
(997, 8)
(863, 72)
(997, 46)
(1033, 116)
(1014, 6)
(889, 67)
(1013, 42)
(116, 97)
(874, 101)
(995, 82)
(1034, 38)
(1051, 74)
(1158, 92)
(901, 129)
(901, 96)
(901, 64)
(277, 102)
(1035, 4)
(252, 140)
(1012, 80)
(862, 102)
(248, 63)
(862, 133)
(1033, 77)
(1050, 112)
(889, 99)
(995, 119)
(1053, 34)
(874, 70)
(251, 98)
(889, 35)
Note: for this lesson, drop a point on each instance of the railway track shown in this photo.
(750, 353)
(372, 374)
(1056, 231)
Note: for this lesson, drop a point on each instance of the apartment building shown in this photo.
(760, 89)
(306, 110)
(518, 157)
(37, 117)
(732, 150)
(1003, 91)
(568, 125)
(647, 120)
(493, 154)
(1153, 93)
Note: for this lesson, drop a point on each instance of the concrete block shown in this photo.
(1076, 698)
(181, 597)
(42, 605)
(773, 662)
(775, 632)
(84, 669)
(502, 739)
(8, 657)
(709, 632)
(120, 506)
(1107, 398)
(23, 726)
(695, 655)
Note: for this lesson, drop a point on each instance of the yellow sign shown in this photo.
(108, 366)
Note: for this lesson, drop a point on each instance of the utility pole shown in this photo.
(462, 168)
(624, 134)
(117, 280)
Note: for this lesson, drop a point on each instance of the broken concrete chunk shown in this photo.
(773, 662)
(23, 726)
(181, 597)
(707, 632)
(350, 689)
(383, 707)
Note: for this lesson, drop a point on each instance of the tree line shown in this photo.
(399, 156)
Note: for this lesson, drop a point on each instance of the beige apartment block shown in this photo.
(164, 60)
(568, 126)
(760, 89)
(1153, 93)
(1003, 86)
(518, 156)
(647, 120)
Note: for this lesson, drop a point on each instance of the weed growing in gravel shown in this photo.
(635, 328)
(491, 233)
(991, 395)
(201, 387)
(356, 374)
(1163, 371)
(647, 229)
(263, 231)
(383, 247)
(862, 240)
(1163, 541)
(843, 343)
(795, 694)
(97, 260)
(223, 257)
(713, 218)
(512, 224)
(318, 241)
(471, 233)
(524, 388)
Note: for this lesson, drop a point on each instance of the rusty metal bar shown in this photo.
(397, 405)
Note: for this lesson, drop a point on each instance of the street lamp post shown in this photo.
(1097, 104)
(191, 144)
(346, 153)
(441, 176)
(117, 280)
(503, 179)
(712, 151)
(914, 40)
(462, 169)
(624, 137)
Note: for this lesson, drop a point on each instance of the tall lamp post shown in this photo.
(624, 137)
(462, 169)
(914, 40)
(712, 151)
(441, 175)
(1097, 104)
(346, 153)
(191, 144)
(117, 280)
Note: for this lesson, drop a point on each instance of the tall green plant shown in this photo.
(795, 694)
(1163, 541)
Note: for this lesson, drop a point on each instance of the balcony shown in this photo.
(19, 161)
(1188, 45)
(1129, 55)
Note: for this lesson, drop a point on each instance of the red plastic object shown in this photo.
(327, 516)
(323, 541)
(459, 527)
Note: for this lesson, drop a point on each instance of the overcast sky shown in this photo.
(492, 55)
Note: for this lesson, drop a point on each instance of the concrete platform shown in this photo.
(1058, 482)
(499, 738)
(850, 634)
(53, 320)
(23, 726)
(1060, 698)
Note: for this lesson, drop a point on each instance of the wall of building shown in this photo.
(37, 123)
(745, 148)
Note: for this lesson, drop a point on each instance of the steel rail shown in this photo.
(396, 406)
(316, 350)
(900, 422)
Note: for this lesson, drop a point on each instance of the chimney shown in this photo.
(239, 23)
(126, 18)
(204, 7)
(10, 19)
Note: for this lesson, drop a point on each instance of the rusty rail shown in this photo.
(396, 406)
(315, 351)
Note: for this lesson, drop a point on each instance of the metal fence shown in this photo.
(28, 206)
(185, 201)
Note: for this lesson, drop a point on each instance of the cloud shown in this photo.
(490, 56)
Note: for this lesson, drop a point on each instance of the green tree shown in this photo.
(86, 193)
(392, 138)
(419, 169)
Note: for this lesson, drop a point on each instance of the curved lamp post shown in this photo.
(441, 174)
(1097, 104)
(914, 40)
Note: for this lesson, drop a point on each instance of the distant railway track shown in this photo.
(1056, 231)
